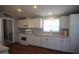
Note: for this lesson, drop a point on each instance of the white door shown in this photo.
(44, 42)
(52, 43)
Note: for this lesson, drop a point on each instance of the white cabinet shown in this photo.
(63, 44)
(29, 23)
(44, 42)
(66, 44)
(55, 43)
(34, 23)
(59, 44)
(52, 42)
(37, 40)
(34, 40)
(31, 40)
(21, 23)
(64, 21)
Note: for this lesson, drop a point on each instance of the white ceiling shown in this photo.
(42, 10)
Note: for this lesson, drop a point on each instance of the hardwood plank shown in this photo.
(17, 48)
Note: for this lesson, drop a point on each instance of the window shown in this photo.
(51, 25)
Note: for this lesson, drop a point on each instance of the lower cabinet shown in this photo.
(52, 42)
(34, 40)
(63, 44)
(48, 42)
(55, 43)
(44, 42)
(59, 44)
(30, 40)
(66, 44)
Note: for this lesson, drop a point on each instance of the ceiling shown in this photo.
(41, 10)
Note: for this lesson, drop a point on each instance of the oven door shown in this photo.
(23, 40)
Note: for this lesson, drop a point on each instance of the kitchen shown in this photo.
(48, 31)
(37, 37)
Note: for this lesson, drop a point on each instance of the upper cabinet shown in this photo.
(64, 22)
(21, 23)
(29, 23)
(34, 23)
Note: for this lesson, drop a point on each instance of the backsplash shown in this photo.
(34, 30)
(40, 31)
(37, 30)
(21, 30)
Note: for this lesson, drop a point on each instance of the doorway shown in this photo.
(8, 32)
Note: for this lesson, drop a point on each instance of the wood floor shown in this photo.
(17, 48)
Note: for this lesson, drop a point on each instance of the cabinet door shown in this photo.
(30, 40)
(66, 44)
(64, 22)
(63, 44)
(44, 42)
(21, 23)
(37, 23)
(52, 43)
(30, 23)
(34, 23)
(59, 44)
(36, 40)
